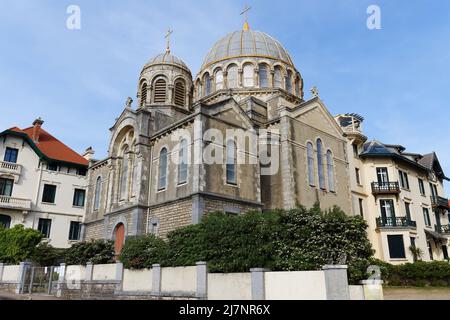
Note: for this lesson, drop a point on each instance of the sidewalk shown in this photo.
(12, 296)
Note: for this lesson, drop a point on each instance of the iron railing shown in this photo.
(385, 187)
(401, 222)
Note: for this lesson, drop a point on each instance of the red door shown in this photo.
(119, 235)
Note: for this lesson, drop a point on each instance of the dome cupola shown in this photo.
(165, 80)
(248, 62)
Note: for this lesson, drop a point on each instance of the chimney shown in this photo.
(37, 129)
(89, 154)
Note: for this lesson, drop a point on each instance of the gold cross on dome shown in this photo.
(245, 13)
(167, 36)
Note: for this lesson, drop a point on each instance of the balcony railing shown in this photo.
(385, 188)
(439, 202)
(14, 203)
(9, 167)
(397, 222)
(442, 229)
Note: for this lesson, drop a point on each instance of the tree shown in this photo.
(18, 243)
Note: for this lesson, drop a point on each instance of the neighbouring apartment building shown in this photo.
(399, 194)
(42, 184)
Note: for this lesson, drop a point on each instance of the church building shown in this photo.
(246, 107)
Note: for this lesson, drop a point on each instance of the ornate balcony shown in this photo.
(13, 169)
(385, 188)
(397, 222)
(444, 229)
(15, 203)
(440, 203)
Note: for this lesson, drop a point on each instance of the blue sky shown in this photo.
(398, 77)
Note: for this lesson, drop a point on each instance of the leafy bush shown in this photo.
(186, 246)
(311, 238)
(46, 255)
(420, 273)
(298, 239)
(18, 243)
(94, 251)
(143, 251)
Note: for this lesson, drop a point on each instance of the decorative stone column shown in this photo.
(272, 78)
(170, 95)
(240, 79)
(225, 79)
(61, 280)
(256, 77)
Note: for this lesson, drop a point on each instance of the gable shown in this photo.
(231, 113)
(317, 116)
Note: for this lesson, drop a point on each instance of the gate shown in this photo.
(41, 280)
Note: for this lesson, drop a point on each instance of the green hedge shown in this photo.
(298, 239)
(143, 251)
(434, 273)
(94, 251)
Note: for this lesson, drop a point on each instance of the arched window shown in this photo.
(219, 80)
(320, 164)
(180, 93)
(232, 77)
(98, 192)
(330, 171)
(249, 75)
(143, 94)
(231, 162)
(183, 162)
(207, 84)
(5, 221)
(162, 184)
(160, 91)
(289, 81)
(263, 75)
(310, 155)
(278, 78)
(124, 175)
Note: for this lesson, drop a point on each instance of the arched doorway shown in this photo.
(5, 221)
(119, 237)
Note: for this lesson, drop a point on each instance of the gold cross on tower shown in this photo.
(167, 37)
(245, 13)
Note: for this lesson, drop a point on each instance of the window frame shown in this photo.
(45, 193)
(163, 169)
(76, 198)
(183, 154)
(320, 164)
(74, 230)
(231, 167)
(47, 227)
(310, 164)
(9, 152)
(6, 184)
(402, 252)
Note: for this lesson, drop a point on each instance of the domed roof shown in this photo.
(247, 43)
(167, 58)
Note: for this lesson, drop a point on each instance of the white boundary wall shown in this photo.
(196, 282)
(137, 280)
(229, 286)
(295, 285)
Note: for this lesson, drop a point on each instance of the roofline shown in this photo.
(38, 151)
(396, 156)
